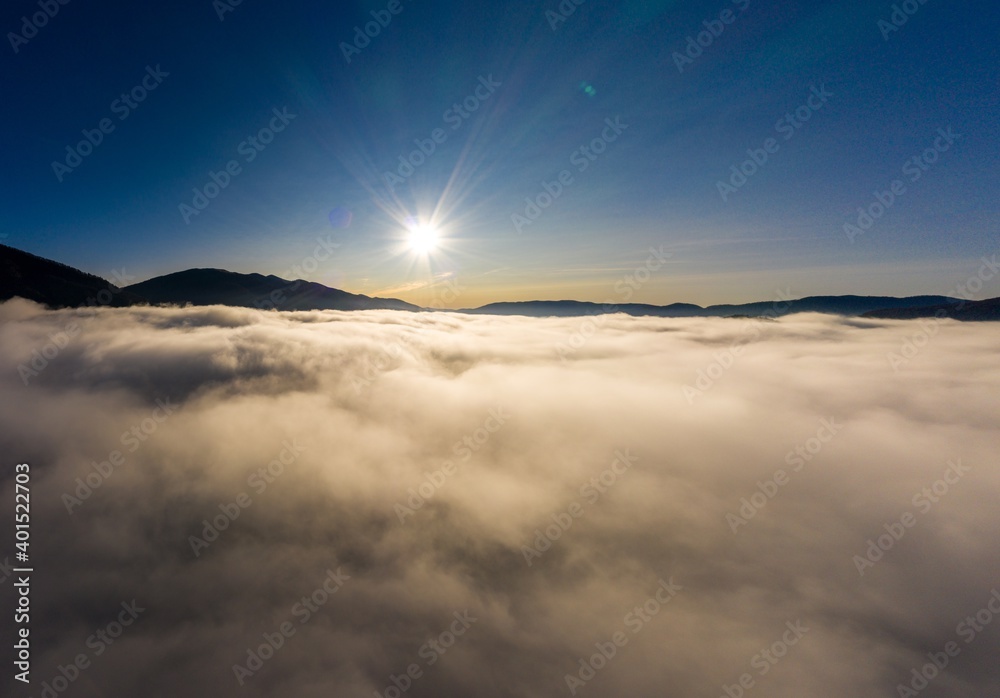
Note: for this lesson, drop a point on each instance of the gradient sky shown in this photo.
(654, 185)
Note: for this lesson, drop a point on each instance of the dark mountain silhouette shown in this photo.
(970, 311)
(220, 287)
(837, 305)
(60, 286)
(56, 285)
(580, 308)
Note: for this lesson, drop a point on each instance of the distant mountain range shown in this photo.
(836, 305)
(59, 286)
(970, 311)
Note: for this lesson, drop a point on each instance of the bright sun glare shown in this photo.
(423, 239)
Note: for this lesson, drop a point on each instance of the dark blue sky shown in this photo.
(655, 181)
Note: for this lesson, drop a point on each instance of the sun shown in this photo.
(423, 239)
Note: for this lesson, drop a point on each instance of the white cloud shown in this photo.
(246, 382)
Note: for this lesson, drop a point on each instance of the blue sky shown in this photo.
(548, 85)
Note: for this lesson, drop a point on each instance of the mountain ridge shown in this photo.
(55, 284)
(58, 285)
(967, 311)
(851, 305)
(207, 286)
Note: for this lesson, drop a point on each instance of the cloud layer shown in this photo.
(484, 502)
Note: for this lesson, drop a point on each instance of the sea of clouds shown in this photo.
(448, 505)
